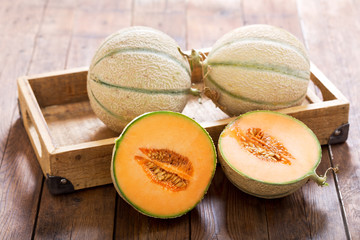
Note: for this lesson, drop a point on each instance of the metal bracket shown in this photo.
(20, 113)
(340, 135)
(59, 185)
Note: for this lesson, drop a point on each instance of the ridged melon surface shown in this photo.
(257, 67)
(137, 70)
(268, 154)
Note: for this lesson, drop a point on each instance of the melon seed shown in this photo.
(164, 177)
(169, 157)
(262, 145)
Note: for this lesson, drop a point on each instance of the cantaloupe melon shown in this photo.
(163, 163)
(256, 67)
(137, 70)
(269, 154)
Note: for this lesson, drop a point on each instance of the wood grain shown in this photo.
(323, 211)
(20, 186)
(331, 40)
(87, 214)
(16, 53)
(166, 16)
(222, 213)
(20, 175)
(207, 21)
(130, 224)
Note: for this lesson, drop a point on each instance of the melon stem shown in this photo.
(195, 60)
(321, 180)
(195, 92)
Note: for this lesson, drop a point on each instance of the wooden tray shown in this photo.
(74, 147)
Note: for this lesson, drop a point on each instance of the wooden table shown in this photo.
(46, 35)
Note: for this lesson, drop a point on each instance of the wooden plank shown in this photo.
(288, 217)
(89, 213)
(13, 45)
(317, 216)
(93, 22)
(323, 213)
(86, 214)
(228, 213)
(62, 89)
(162, 15)
(213, 19)
(84, 167)
(20, 174)
(131, 224)
(331, 40)
(35, 124)
(20, 18)
(282, 13)
(20, 185)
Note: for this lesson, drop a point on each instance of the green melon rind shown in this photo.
(252, 186)
(124, 31)
(263, 40)
(299, 74)
(121, 118)
(144, 50)
(117, 143)
(142, 90)
(250, 100)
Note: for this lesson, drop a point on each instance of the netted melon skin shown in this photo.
(137, 70)
(257, 67)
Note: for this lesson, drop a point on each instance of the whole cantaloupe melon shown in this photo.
(256, 67)
(137, 70)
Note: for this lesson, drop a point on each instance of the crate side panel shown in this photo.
(60, 89)
(84, 168)
(75, 123)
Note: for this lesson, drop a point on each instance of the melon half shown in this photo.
(163, 163)
(256, 67)
(137, 70)
(268, 154)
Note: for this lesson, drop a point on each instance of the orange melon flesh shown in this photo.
(299, 141)
(163, 130)
(269, 155)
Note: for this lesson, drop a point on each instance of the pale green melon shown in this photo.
(257, 67)
(137, 70)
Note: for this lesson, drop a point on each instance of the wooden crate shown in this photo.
(74, 147)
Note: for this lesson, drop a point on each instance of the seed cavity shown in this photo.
(166, 168)
(262, 145)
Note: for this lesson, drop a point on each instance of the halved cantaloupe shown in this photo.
(163, 163)
(268, 154)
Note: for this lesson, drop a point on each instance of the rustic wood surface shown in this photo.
(47, 35)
